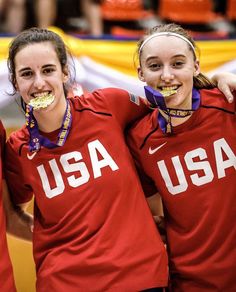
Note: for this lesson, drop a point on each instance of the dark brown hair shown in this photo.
(36, 35)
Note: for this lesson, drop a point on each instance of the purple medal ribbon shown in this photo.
(157, 100)
(37, 140)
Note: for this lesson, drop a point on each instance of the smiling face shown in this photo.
(167, 63)
(39, 73)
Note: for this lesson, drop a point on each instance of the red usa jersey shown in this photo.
(194, 170)
(93, 229)
(6, 272)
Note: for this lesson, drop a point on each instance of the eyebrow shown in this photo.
(175, 56)
(43, 67)
(24, 69)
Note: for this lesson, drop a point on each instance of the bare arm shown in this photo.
(92, 12)
(19, 223)
(156, 207)
(46, 12)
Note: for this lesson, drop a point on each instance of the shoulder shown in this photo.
(104, 93)
(215, 98)
(142, 128)
(98, 97)
(109, 99)
(18, 138)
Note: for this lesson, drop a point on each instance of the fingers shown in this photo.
(160, 223)
(225, 88)
(226, 82)
(158, 219)
(227, 92)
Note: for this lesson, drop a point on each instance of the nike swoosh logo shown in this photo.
(31, 156)
(152, 151)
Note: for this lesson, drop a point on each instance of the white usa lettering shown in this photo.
(78, 167)
(224, 158)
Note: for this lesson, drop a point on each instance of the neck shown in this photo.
(49, 121)
(175, 121)
(178, 116)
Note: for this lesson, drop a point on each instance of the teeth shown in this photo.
(167, 91)
(41, 94)
(41, 100)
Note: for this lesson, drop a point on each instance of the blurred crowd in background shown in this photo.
(212, 18)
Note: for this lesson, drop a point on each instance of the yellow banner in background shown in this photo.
(120, 55)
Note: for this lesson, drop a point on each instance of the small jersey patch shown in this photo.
(134, 98)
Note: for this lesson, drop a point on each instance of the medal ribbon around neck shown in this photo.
(157, 100)
(37, 140)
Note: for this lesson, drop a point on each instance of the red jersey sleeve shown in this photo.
(6, 273)
(2, 145)
(124, 106)
(2, 136)
(15, 172)
(215, 98)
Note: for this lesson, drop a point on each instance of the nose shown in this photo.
(39, 81)
(167, 74)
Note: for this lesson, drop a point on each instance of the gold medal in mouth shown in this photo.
(168, 92)
(42, 101)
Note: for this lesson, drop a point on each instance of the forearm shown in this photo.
(155, 205)
(19, 223)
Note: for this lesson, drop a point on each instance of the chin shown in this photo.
(175, 102)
